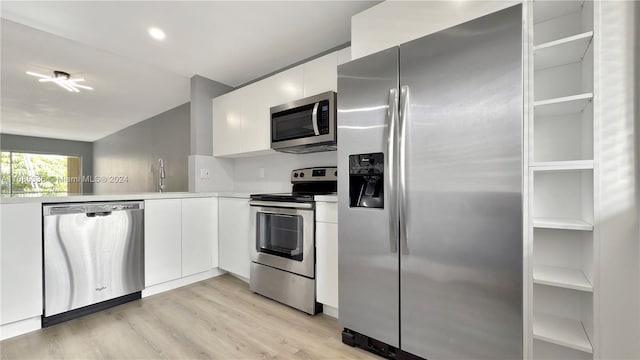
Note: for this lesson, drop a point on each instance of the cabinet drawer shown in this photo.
(327, 212)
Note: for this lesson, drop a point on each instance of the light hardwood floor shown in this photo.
(218, 318)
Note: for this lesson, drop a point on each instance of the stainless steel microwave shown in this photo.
(306, 125)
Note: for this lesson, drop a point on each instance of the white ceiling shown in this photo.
(136, 77)
(125, 92)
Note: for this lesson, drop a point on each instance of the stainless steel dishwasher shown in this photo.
(93, 257)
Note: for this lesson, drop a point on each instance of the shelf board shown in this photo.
(561, 331)
(563, 105)
(562, 165)
(547, 10)
(563, 51)
(561, 277)
(563, 224)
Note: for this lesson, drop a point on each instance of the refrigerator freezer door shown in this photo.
(368, 261)
(461, 266)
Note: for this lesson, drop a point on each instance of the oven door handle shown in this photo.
(314, 119)
(280, 204)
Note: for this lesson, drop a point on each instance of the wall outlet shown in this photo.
(205, 174)
(261, 173)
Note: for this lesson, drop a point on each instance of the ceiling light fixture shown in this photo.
(156, 33)
(63, 79)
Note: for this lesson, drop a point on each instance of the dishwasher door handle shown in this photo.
(98, 214)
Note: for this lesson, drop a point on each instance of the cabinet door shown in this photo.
(199, 232)
(321, 75)
(162, 241)
(256, 119)
(281, 88)
(233, 237)
(327, 263)
(344, 55)
(227, 123)
(21, 256)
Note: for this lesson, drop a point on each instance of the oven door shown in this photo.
(284, 238)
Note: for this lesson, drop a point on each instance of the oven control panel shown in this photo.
(315, 174)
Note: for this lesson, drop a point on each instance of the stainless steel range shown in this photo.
(283, 225)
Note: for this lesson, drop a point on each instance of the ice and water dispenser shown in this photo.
(366, 180)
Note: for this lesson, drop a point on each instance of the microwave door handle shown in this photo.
(314, 119)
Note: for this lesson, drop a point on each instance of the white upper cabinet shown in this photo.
(344, 55)
(227, 131)
(392, 23)
(321, 75)
(262, 95)
(281, 88)
(242, 118)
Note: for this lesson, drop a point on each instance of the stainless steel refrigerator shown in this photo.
(430, 144)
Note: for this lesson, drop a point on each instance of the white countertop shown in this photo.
(118, 197)
(326, 198)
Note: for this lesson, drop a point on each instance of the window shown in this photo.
(39, 174)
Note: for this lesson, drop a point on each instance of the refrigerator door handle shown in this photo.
(392, 176)
(402, 176)
(314, 119)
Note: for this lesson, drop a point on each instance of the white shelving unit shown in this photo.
(562, 105)
(562, 165)
(564, 51)
(561, 277)
(561, 331)
(561, 180)
(560, 223)
(547, 10)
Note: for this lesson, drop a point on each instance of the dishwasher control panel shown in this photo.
(79, 208)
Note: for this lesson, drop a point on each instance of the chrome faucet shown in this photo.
(162, 176)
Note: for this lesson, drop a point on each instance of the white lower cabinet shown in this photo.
(181, 238)
(327, 263)
(327, 253)
(21, 262)
(234, 235)
(162, 240)
(199, 235)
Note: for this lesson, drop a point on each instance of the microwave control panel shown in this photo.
(323, 118)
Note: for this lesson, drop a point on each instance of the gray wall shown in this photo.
(203, 91)
(134, 152)
(30, 144)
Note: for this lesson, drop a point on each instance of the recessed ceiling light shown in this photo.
(156, 33)
(62, 79)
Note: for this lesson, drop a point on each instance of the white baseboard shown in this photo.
(174, 284)
(239, 277)
(330, 311)
(20, 327)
